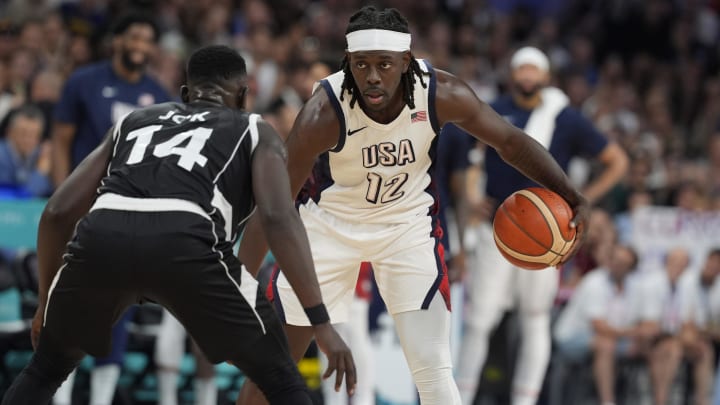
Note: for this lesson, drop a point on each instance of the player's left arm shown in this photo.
(67, 205)
(588, 141)
(455, 102)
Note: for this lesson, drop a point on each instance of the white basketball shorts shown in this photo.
(408, 261)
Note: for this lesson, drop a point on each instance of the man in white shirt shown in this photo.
(708, 301)
(670, 313)
(599, 319)
(702, 315)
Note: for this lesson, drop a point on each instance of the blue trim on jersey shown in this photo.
(320, 179)
(338, 111)
(431, 97)
(432, 189)
(439, 263)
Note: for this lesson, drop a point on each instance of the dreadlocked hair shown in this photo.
(389, 19)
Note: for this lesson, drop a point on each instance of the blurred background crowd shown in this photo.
(645, 72)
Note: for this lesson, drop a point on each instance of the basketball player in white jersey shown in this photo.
(493, 283)
(368, 135)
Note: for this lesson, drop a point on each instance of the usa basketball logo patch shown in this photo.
(418, 116)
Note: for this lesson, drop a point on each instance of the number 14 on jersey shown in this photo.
(189, 154)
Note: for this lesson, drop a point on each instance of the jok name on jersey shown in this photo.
(388, 154)
(179, 119)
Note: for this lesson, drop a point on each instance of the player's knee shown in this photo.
(426, 360)
(432, 373)
(436, 386)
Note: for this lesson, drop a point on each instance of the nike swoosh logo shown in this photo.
(351, 132)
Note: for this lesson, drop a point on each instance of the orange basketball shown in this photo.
(532, 228)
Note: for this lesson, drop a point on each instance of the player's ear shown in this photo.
(242, 97)
(185, 93)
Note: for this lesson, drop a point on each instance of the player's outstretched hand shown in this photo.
(581, 212)
(340, 360)
(37, 323)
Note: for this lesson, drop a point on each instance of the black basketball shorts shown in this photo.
(118, 258)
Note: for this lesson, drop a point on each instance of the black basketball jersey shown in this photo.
(198, 152)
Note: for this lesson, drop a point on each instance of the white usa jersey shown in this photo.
(378, 173)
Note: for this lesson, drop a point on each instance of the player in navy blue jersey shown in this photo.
(168, 192)
(543, 112)
(96, 96)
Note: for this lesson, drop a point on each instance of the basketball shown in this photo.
(532, 228)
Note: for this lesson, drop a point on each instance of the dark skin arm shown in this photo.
(280, 221)
(67, 205)
(286, 236)
(316, 130)
(455, 102)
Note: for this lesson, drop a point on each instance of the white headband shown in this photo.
(378, 40)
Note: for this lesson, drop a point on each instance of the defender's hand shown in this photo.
(340, 359)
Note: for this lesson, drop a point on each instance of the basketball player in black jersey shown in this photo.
(176, 183)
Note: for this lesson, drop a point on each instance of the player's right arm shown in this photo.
(67, 205)
(316, 130)
(62, 138)
(289, 243)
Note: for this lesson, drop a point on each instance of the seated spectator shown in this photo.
(705, 310)
(669, 314)
(24, 160)
(44, 93)
(599, 320)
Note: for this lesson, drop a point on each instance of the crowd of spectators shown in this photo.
(646, 72)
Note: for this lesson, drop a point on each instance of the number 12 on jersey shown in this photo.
(189, 154)
(386, 191)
